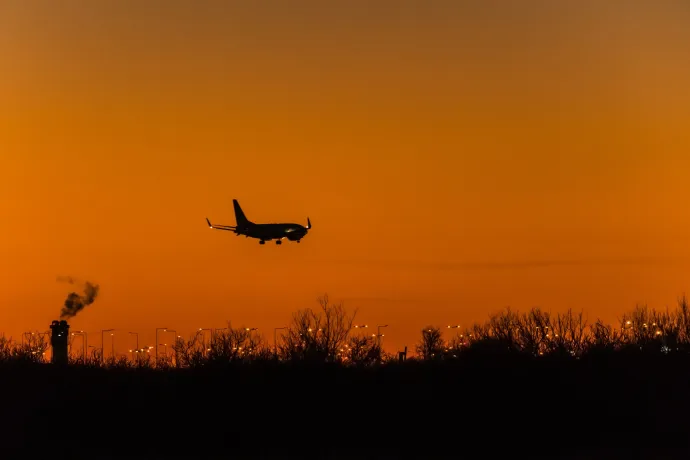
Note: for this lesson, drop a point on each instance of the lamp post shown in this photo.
(176, 347)
(275, 341)
(86, 341)
(103, 343)
(74, 334)
(378, 333)
(174, 333)
(249, 336)
(83, 343)
(164, 329)
(203, 339)
(457, 326)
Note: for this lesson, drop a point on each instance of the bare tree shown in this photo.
(318, 336)
(233, 345)
(32, 348)
(431, 346)
(189, 353)
(362, 351)
(569, 334)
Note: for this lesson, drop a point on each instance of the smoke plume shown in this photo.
(74, 303)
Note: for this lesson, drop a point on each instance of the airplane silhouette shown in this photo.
(263, 232)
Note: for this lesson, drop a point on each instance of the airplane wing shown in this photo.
(220, 227)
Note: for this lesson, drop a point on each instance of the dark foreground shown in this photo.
(611, 406)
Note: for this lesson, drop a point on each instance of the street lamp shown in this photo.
(378, 330)
(203, 339)
(174, 332)
(249, 336)
(103, 343)
(177, 341)
(164, 329)
(83, 343)
(457, 326)
(275, 341)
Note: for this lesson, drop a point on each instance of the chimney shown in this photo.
(59, 341)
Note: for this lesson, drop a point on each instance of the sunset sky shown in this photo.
(454, 158)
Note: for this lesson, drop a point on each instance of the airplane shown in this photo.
(263, 232)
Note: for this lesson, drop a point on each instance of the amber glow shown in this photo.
(453, 160)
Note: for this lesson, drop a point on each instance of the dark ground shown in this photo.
(611, 406)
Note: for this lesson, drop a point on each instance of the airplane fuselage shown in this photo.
(267, 232)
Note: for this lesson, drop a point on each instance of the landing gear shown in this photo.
(298, 241)
(279, 242)
(262, 242)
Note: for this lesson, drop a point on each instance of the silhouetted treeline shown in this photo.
(327, 335)
(521, 384)
(539, 333)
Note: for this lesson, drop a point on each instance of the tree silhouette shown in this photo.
(362, 351)
(431, 346)
(318, 336)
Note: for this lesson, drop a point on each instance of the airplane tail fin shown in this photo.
(240, 218)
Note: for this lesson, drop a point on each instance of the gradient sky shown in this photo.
(454, 158)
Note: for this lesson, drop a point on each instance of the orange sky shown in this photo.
(443, 152)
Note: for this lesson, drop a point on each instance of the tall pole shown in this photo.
(203, 337)
(378, 335)
(249, 336)
(164, 329)
(83, 343)
(103, 344)
(457, 326)
(136, 334)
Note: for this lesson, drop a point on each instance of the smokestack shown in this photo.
(59, 341)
